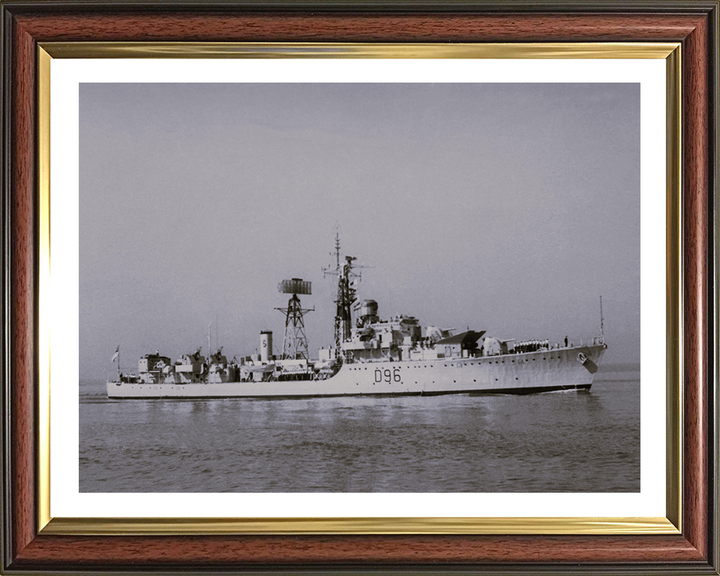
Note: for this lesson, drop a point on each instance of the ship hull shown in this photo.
(527, 373)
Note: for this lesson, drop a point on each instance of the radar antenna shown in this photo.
(295, 343)
(348, 277)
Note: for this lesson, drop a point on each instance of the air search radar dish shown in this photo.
(295, 286)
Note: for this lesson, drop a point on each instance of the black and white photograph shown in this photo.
(359, 287)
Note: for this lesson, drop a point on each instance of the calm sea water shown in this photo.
(554, 442)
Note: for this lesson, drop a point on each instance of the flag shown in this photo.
(117, 353)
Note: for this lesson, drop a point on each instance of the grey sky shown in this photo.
(502, 207)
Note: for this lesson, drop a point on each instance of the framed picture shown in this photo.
(359, 287)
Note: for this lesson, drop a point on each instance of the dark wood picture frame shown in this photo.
(25, 24)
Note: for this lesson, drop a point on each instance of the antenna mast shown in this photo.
(336, 272)
(337, 250)
(346, 294)
(602, 321)
(295, 343)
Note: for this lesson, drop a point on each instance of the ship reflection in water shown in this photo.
(558, 442)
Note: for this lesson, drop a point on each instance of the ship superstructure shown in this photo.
(370, 355)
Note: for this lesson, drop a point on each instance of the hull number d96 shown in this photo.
(388, 375)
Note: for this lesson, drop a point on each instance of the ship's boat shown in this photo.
(372, 356)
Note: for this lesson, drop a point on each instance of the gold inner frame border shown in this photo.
(671, 524)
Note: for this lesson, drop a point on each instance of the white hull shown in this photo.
(525, 373)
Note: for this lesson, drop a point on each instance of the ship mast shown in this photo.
(602, 321)
(337, 329)
(337, 251)
(295, 343)
(345, 297)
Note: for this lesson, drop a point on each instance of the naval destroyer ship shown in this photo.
(370, 356)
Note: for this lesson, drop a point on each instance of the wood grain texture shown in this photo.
(688, 552)
(695, 232)
(23, 278)
(226, 551)
(357, 28)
